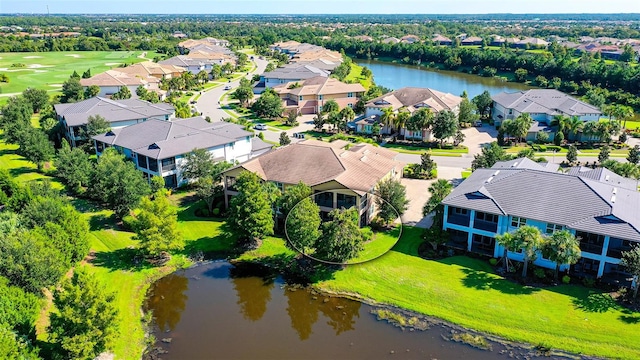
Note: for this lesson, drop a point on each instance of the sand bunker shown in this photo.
(39, 71)
(37, 66)
(56, 85)
(111, 64)
(73, 55)
(32, 57)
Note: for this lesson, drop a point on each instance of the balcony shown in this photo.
(485, 225)
(462, 220)
(346, 202)
(170, 167)
(324, 200)
(591, 248)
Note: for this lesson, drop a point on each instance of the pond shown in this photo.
(223, 311)
(396, 76)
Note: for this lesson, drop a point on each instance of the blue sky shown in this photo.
(319, 6)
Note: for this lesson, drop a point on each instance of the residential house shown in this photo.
(471, 40)
(317, 54)
(390, 40)
(323, 64)
(364, 38)
(159, 147)
(148, 69)
(441, 40)
(597, 206)
(185, 46)
(530, 42)
(542, 105)
(411, 99)
(289, 73)
(119, 113)
(339, 177)
(409, 39)
(308, 96)
(111, 81)
(192, 65)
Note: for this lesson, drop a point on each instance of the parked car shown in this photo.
(298, 135)
(228, 87)
(477, 123)
(260, 127)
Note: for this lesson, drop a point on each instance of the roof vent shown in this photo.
(613, 199)
(496, 173)
(154, 146)
(614, 191)
(363, 159)
(489, 180)
(514, 164)
(606, 178)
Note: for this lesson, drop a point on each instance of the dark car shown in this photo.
(477, 123)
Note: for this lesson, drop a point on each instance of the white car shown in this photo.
(260, 127)
(228, 87)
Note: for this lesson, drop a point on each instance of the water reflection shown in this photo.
(302, 310)
(168, 300)
(254, 293)
(341, 313)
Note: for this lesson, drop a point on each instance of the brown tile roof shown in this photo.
(413, 98)
(149, 68)
(117, 78)
(319, 85)
(314, 162)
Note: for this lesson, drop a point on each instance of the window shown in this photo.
(460, 211)
(279, 185)
(350, 94)
(486, 217)
(319, 108)
(153, 164)
(99, 146)
(510, 112)
(518, 221)
(320, 97)
(551, 228)
(231, 183)
(142, 161)
(368, 128)
(350, 105)
(169, 164)
(300, 98)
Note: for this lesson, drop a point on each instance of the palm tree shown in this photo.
(622, 112)
(522, 124)
(318, 121)
(387, 117)
(590, 129)
(401, 119)
(562, 247)
(507, 242)
(574, 126)
(561, 121)
(439, 190)
(202, 76)
(527, 238)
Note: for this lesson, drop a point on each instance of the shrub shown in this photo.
(128, 221)
(566, 279)
(539, 273)
(529, 142)
(367, 234)
(553, 148)
(216, 212)
(377, 223)
(493, 261)
(589, 281)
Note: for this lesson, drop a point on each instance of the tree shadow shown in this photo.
(482, 280)
(126, 259)
(595, 302)
(15, 172)
(101, 222)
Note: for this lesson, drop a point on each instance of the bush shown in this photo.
(128, 222)
(493, 261)
(529, 142)
(377, 223)
(566, 279)
(189, 93)
(367, 234)
(539, 273)
(216, 212)
(553, 148)
(589, 281)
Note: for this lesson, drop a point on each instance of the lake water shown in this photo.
(395, 76)
(225, 312)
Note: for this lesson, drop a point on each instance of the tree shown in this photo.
(427, 165)
(250, 213)
(572, 154)
(209, 187)
(18, 310)
(401, 119)
(391, 199)
(37, 97)
(341, 238)
(202, 76)
(439, 190)
(521, 75)
(284, 139)
(292, 196)
(243, 94)
(420, 120)
(574, 125)
(634, 155)
(318, 121)
(303, 225)
(268, 105)
(72, 91)
(528, 238)
(520, 126)
(86, 74)
(36, 147)
(631, 261)
(197, 164)
(270, 67)
(86, 321)
(541, 81)
(290, 120)
(562, 247)
(74, 167)
(122, 94)
(467, 112)
(141, 91)
(387, 117)
(346, 114)
(96, 125)
(483, 102)
(14, 346)
(604, 154)
(117, 183)
(628, 53)
(366, 72)
(508, 243)
(444, 125)
(542, 137)
(91, 91)
(330, 106)
(488, 156)
(156, 226)
(16, 119)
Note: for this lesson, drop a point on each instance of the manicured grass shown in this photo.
(408, 149)
(466, 173)
(48, 70)
(380, 244)
(21, 169)
(354, 75)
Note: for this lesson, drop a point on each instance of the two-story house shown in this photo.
(339, 177)
(111, 81)
(119, 113)
(159, 147)
(308, 96)
(291, 73)
(597, 206)
(408, 99)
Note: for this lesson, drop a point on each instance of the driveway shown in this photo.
(418, 194)
(477, 137)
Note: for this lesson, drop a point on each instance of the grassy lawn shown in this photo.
(48, 70)
(21, 169)
(408, 149)
(354, 75)
(380, 244)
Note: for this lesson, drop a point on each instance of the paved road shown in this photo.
(208, 101)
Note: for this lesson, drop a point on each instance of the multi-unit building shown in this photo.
(408, 99)
(308, 96)
(291, 73)
(159, 147)
(596, 205)
(119, 113)
(339, 177)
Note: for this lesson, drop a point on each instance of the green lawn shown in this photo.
(48, 70)
(380, 244)
(19, 167)
(408, 149)
(354, 75)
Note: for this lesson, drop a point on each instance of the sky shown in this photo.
(318, 6)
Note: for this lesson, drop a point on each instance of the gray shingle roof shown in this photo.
(295, 72)
(164, 139)
(547, 101)
(577, 202)
(76, 114)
